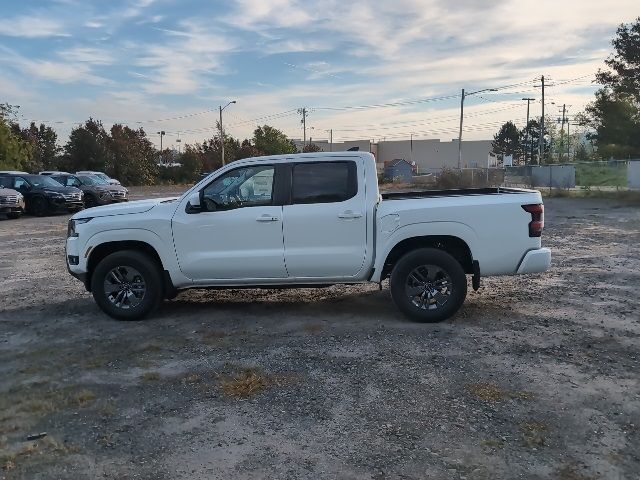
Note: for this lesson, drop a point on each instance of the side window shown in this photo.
(6, 182)
(72, 182)
(19, 183)
(242, 187)
(324, 182)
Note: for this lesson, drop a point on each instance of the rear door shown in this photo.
(325, 224)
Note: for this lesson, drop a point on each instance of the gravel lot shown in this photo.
(537, 376)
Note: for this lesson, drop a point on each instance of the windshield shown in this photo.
(91, 180)
(102, 176)
(42, 181)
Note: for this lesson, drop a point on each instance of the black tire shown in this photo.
(13, 215)
(129, 263)
(90, 200)
(39, 206)
(441, 265)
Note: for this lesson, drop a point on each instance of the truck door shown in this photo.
(325, 225)
(238, 232)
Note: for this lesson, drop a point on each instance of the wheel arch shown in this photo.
(102, 250)
(453, 245)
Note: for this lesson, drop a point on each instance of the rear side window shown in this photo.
(324, 182)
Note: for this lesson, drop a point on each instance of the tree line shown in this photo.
(612, 119)
(126, 153)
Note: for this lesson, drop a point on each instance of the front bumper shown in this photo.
(11, 209)
(63, 205)
(76, 263)
(535, 261)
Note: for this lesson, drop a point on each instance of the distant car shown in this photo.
(43, 195)
(96, 190)
(11, 203)
(101, 175)
(12, 172)
(52, 172)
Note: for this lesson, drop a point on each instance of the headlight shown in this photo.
(20, 196)
(73, 223)
(53, 194)
(105, 193)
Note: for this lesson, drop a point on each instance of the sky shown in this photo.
(381, 70)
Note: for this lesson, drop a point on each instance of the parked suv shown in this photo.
(43, 194)
(11, 203)
(96, 190)
(102, 175)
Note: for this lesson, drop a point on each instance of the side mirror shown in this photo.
(193, 203)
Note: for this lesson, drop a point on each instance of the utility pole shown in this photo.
(411, 149)
(526, 130)
(462, 97)
(331, 140)
(568, 141)
(460, 133)
(541, 139)
(222, 130)
(564, 109)
(303, 111)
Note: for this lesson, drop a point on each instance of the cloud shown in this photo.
(32, 26)
(183, 63)
(95, 56)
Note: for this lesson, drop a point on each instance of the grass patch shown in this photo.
(600, 175)
(213, 337)
(192, 378)
(487, 391)
(534, 433)
(490, 392)
(244, 384)
(150, 376)
(313, 329)
(83, 398)
(43, 449)
(570, 472)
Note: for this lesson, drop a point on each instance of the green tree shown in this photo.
(15, 153)
(87, 148)
(531, 145)
(310, 148)
(623, 78)
(272, 141)
(247, 151)
(616, 122)
(132, 156)
(507, 140)
(614, 115)
(44, 147)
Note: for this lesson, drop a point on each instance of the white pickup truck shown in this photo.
(308, 220)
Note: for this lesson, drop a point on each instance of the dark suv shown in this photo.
(44, 195)
(96, 190)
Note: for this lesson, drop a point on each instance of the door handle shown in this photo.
(267, 218)
(349, 214)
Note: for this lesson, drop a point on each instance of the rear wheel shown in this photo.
(428, 285)
(127, 285)
(90, 201)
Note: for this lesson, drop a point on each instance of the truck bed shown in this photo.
(459, 192)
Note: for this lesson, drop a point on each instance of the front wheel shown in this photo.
(39, 207)
(13, 215)
(428, 285)
(127, 285)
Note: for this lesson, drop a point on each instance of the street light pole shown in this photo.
(162, 134)
(462, 97)
(222, 130)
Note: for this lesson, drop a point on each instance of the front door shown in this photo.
(238, 232)
(325, 227)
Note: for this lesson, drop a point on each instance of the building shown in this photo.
(429, 155)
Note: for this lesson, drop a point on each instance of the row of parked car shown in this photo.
(54, 192)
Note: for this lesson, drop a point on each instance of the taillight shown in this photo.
(536, 225)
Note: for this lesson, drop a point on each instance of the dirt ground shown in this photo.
(537, 377)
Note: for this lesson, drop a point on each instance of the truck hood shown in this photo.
(138, 206)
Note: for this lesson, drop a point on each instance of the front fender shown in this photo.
(388, 240)
(165, 250)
